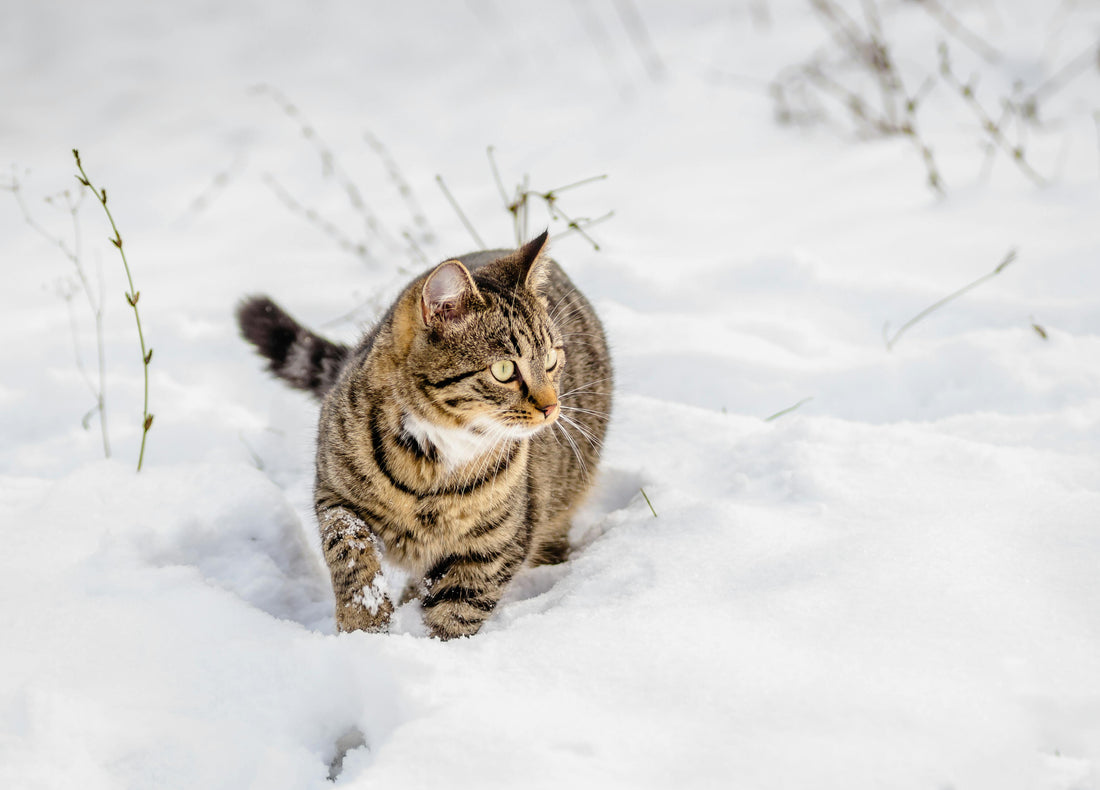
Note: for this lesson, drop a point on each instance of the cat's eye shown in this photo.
(551, 359)
(503, 371)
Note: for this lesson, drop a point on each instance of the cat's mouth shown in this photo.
(523, 428)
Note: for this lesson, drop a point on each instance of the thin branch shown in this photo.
(788, 410)
(989, 126)
(330, 229)
(330, 167)
(953, 27)
(416, 211)
(639, 36)
(458, 210)
(891, 341)
(75, 256)
(132, 297)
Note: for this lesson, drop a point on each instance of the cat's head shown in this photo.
(483, 351)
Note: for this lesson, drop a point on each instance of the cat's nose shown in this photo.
(548, 411)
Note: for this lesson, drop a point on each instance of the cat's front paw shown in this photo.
(368, 610)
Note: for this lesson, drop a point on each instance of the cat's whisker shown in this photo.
(598, 414)
(587, 434)
(573, 444)
(580, 334)
(583, 387)
(560, 319)
(553, 310)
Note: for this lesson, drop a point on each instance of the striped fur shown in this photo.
(427, 459)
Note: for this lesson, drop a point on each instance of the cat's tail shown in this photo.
(299, 357)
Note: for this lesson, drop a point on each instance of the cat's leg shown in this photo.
(354, 557)
(462, 589)
(552, 552)
(550, 544)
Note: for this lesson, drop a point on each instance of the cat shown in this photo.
(458, 437)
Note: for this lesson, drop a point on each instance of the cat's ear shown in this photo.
(533, 263)
(448, 294)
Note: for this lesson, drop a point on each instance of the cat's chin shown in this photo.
(517, 432)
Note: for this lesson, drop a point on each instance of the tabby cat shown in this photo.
(456, 439)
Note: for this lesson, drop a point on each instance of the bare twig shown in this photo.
(419, 218)
(458, 210)
(330, 229)
(996, 134)
(373, 227)
(1096, 121)
(95, 301)
(956, 29)
(639, 36)
(217, 185)
(599, 37)
(583, 225)
(646, 497)
(132, 297)
(891, 341)
(760, 14)
(788, 410)
(1029, 106)
(1039, 329)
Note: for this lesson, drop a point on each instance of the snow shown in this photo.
(892, 585)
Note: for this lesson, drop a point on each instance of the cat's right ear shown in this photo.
(448, 294)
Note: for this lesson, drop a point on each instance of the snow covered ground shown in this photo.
(893, 585)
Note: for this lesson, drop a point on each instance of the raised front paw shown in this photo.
(369, 610)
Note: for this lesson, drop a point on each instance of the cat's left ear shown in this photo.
(533, 263)
(448, 293)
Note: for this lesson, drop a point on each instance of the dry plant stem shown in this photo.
(416, 211)
(880, 62)
(518, 205)
(953, 27)
(989, 126)
(639, 36)
(1060, 79)
(760, 14)
(1096, 120)
(583, 226)
(555, 212)
(372, 225)
(458, 210)
(646, 497)
(95, 304)
(890, 342)
(213, 190)
(131, 298)
(342, 240)
(600, 39)
(788, 410)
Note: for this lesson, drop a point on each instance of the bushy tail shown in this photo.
(299, 357)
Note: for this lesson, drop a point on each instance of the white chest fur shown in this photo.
(456, 446)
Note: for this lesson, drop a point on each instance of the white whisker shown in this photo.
(573, 444)
(585, 432)
(583, 387)
(600, 414)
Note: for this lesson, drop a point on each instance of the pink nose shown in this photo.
(548, 411)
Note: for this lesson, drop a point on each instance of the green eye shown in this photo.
(504, 370)
(551, 359)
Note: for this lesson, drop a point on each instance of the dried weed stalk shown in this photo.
(837, 76)
(83, 283)
(132, 297)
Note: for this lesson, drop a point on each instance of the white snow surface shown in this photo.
(894, 585)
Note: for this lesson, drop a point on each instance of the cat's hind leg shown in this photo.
(354, 557)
